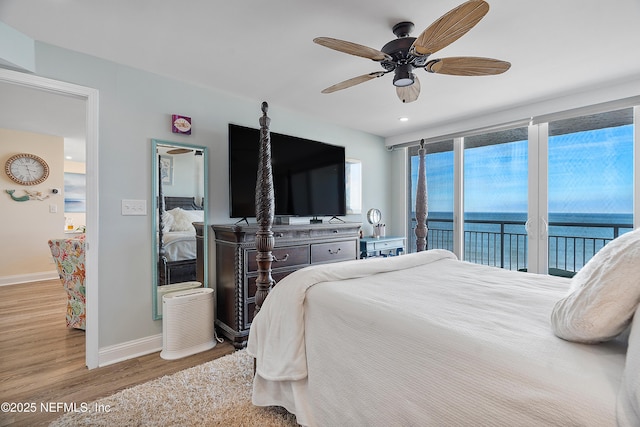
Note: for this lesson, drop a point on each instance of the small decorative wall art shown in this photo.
(166, 170)
(75, 192)
(181, 124)
(28, 195)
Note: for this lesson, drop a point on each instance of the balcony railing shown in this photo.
(504, 243)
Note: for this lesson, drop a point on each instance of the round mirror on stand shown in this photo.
(373, 217)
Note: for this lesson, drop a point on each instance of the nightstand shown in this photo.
(381, 246)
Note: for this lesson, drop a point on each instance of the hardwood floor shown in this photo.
(43, 362)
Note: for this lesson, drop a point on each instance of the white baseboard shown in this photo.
(30, 277)
(128, 350)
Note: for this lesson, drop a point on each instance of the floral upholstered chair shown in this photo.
(68, 255)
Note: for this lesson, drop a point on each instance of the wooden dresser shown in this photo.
(296, 246)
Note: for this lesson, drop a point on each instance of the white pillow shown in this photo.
(181, 220)
(195, 215)
(603, 295)
(167, 221)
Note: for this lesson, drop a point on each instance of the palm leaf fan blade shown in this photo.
(351, 48)
(467, 66)
(450, 27)
(353, 81)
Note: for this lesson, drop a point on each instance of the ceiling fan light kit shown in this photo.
(404, 76)
(402, 55)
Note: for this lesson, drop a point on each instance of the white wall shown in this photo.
(135, 107)
(27, 226)
(17, 49)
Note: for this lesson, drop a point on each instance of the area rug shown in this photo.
(216, 393)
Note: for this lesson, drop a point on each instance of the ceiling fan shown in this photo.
(402, 55)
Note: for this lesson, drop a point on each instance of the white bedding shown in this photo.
(179, 234)
(437, 342)
(180, 245)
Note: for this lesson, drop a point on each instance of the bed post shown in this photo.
(265, 207)
(421, 202)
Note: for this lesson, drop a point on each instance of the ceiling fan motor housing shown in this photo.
(398, 50)
(403, 61)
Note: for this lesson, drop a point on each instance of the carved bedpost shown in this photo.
(265, 207)
(421, 202)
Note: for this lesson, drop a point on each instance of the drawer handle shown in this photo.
(278, 235)
(335, 231)
(334, 252)
(286, 257)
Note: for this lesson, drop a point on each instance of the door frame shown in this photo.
(537, 227)
(90, 97)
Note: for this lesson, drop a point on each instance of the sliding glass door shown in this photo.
(590, 186)
(543, 197)
(495, 198)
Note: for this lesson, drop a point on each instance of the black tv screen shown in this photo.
(308, 176)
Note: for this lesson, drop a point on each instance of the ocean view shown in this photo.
(490, 221)
(573, 237)
(589, 170)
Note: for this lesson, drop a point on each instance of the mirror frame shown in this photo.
(155, 143)
(374, 216)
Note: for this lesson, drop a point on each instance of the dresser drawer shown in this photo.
(286, 256)
(330, 232)
(388, 244)
(334, 251)
(251, 281)
(250, 300)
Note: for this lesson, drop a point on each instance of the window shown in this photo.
(590, 180)
(495, 198)
(543, 197)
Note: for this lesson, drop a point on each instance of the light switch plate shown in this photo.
(134, 207)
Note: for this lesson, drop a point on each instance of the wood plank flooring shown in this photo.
(43, 361)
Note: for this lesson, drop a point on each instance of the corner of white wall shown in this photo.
(17, 51)
(399, 203)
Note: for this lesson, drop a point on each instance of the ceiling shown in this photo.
(263, 50)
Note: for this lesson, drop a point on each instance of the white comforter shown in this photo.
(180, 245)
(424, 339)
(276, 337)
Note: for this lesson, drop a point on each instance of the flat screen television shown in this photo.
(308, 176)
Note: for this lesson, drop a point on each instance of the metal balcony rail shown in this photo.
(504, 243)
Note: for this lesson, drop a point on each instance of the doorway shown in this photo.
(90, 98)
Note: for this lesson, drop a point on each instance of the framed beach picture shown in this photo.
(166, 170)
(75, 192)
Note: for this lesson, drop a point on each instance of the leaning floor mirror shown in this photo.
(179, 219)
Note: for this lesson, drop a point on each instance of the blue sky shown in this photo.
(589, 172)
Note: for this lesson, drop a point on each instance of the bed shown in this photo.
(177, 239)
(427, 339)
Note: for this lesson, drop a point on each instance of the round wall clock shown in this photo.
(27, 169)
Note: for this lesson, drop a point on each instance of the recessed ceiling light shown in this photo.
(404, 119)
(68, 157)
